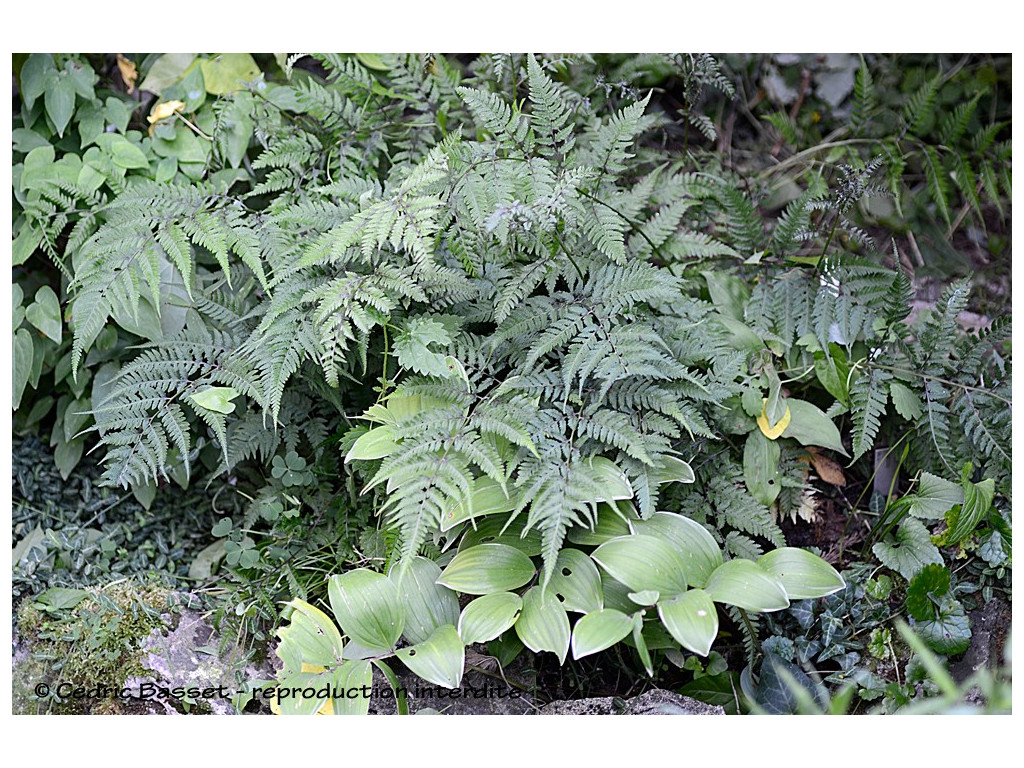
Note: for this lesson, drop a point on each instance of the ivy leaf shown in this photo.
(925, 589)
(911, 551)
(950, 632)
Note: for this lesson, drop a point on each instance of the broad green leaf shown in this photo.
(412, 347)
(803, 575)
(613, 480)
(925, 589)
(728, 293)
(124, 154)
(67, 454)
(289, 699)
(206, 560)
(598, 631)
(33, 77)
(543, 625)
(961, 520)
(576, 582)
(487, 568)
(375, 444)
(237, 128)
(692, 619)
(367, 607)
(59, 101)
(701, 553)
(647, 597)
(372, 61)
(496, 530)
(641, 644)
(761, 467)
(745, 585)
(60, 598)
(228, 72)
(427, 604)
(488, 616)
(44, 313)
(810, 426)
(24, 350)
(25, 244)
(671, 470)
(166, 71)
(486, 498)
(312, 634)
(934, 497)
(609, 525)
(833, 371)
(441, 659)
(352, 678)
(642, 563)
(616, 594)
(216, 399)
(911, 550)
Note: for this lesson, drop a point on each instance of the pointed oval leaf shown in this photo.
(441, 659)
(598, 631)
(671, 470)
(351, 680)
(544, 625)
(701, 553)
(487, 568)
(616, 594)
(643, 563)
(773, 432)
(367, 607)
(427, 604)
(285, 703)
(487, 498)
(496, 530)
(576, 582)
(487, 617)
(809, 425)
(610, 525)
(610, 478)
(743, 584)
(311, 637)
(647, 597)
(375, 444)
(692, 619)
(803, 575)
(761, 467)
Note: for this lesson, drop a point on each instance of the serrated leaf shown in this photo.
(934, 497)
(488, 616)
(905, 401)
(802, 574)
(911, 550)
(643, 563)
(808, 425)
(761, 467)
(576, 582)
(745, 585)
(543, 625)
(598, 631)
(925, 589)
(441, 659)
(487, 568)
(367, 607)
(427, 604)
(700, 552)
(692, 619)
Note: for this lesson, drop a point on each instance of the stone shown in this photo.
(654, 702)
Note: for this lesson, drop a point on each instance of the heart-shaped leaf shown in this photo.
(745, 585)
(803, 575)
(441, 659)
(44, 314)
(487, 568)
(487, 617)
(692, 619)
(599, 630)
(368, 608)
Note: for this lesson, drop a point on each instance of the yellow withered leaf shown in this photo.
(128, 72)
(772, 433)
(165, 110)
(827, 469)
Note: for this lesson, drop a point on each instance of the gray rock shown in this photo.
(989, 625)
(655, 702)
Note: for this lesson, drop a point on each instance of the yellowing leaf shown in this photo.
(772, 433)
(128, 72)
(164, 110)
(828, 470)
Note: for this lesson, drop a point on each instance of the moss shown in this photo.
(98, 642)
